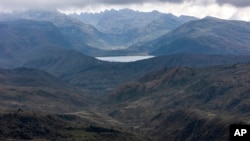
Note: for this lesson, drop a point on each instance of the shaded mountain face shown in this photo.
(39, 91)
(22, 35)
(205, 36)
(194, 98)
(126, 27)
(26, 40)
(82, 37)
(22, 38)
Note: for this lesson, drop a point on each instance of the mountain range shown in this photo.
(52, 89)
(93, 41)
(144, 33)
(125, 27)
(44, 47)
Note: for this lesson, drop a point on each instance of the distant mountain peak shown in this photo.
(213, 18)
(210, 17)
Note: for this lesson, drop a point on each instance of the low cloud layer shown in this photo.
(73, 3)
(14, 4)
(227, 9)
(237, 3)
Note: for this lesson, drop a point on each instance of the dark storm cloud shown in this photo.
(72, 3)
(237, 3)
(138, 1)
(64, 4)
(172, 1)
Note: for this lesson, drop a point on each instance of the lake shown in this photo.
(123, 58)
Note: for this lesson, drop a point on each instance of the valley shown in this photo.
(159, 76)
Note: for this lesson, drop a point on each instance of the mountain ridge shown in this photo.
(205, 36)
(81, 36)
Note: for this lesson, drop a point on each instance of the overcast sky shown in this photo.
(226, 9)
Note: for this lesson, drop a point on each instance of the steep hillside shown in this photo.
(24, 35)
(21, 39)
(25, 40)
(202, 97)
(39, 91)
(205, 36)
(125, 27)
(82, 37)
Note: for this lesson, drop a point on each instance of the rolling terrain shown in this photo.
(25, 125)
(173, 103)
(34, 106)
(37, 90)
(177, 102)
(103, 77)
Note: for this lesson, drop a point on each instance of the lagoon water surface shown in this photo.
(123, 58)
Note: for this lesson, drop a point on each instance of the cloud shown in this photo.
(72, 3)
(227, 9)
(242, 14)
(7, 5)
(237, 3)
(25, 4)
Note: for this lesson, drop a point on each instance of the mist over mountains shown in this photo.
(126, 27)
(198, 81)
